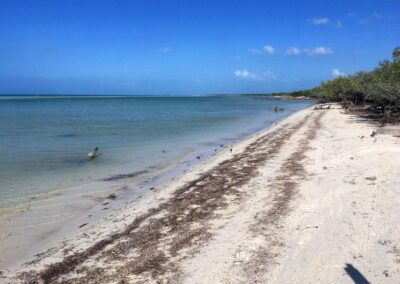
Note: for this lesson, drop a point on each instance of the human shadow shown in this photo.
(355, 275)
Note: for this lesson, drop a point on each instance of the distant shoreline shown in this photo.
(282, 96)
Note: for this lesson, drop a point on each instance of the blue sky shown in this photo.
(189, 47)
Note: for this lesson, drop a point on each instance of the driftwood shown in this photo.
(322, 106)
(92, 154)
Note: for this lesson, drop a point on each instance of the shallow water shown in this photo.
(44, 141)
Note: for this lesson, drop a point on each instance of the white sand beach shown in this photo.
(312, 199)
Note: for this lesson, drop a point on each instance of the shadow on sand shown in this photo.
(355, 275)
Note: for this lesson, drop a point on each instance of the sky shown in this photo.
(189, 47)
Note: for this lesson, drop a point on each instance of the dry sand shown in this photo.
(313, 199)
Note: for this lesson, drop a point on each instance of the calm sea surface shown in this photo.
(44, 141)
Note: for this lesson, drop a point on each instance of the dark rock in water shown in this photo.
(198, 157)
(276, 109)
(163, 151)
(68, 135)
(123, 176)
(92, 154)
(373, 133)
(231, 150)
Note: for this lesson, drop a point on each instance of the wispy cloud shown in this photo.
(244, 74)
(265, 76)
(256, 51)
(269, 49)
(292, 51)
(318, 51)
(351, 15)
(336, 73)
(374, 17)
(237, 57)
(268, 76)
(166, 49)
(339, 24)
(320, 21)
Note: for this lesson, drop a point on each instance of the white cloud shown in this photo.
(265, 76)
(318, 51)
(321, 21)
(339, 24)
(336, 73)
(292, 51)
(269, 49)
(237, 57)
(375, 16)
(364, 21)
(256, 51)
(244, 74)
(166, 49)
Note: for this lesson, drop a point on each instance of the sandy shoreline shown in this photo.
(312, 199)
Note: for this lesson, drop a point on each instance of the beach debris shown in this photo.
(105, 203)
(112, 196)
(84, 224)
(371, 178)
(312, 227)
(373, 133)
(82, 269)
(322, 106)
(386, 273)
(92, 154)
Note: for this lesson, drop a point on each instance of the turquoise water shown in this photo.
(44, 141)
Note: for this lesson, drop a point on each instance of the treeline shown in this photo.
(378, 90)
(301, 93)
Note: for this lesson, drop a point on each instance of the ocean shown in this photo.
(44, 141)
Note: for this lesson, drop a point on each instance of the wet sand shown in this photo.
(312, 199)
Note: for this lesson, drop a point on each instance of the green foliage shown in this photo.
(396, 54)
(379, 88)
